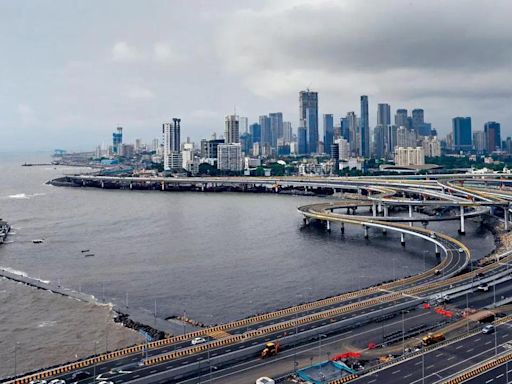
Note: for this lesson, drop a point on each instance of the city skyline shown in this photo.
(95, 80)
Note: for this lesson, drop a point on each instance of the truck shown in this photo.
(432, 338)
(270, 349)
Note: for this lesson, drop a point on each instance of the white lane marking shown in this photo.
(395, 372)
(500, 376)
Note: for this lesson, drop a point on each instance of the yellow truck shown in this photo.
(432, 338)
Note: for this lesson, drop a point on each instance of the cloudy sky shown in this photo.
(71, 71)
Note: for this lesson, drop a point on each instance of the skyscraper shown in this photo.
(255, 131)
(479, 142)
(276, 127)
(266, 134)
(328, 131)
(353, 130)
(171, 140)
(287, 131)
(231, 129)
(117, 140)
(308, 114)
(243, 124)
(364, 129)
(401, 118)
(492, 131)
(302, 141)
(417, 120)
(462, 135)
(383, 114)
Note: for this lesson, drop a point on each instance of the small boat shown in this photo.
(38, 241)
(89, 254)
(85, 250)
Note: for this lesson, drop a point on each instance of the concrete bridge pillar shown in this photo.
(374, 209)
(348, 211)
(202, 187)
(438, 253)
(462, 230)
(342, 228)
(402, 239)
(505, 216)
(379, 208)
(306, 221)
(131, 186)
(365, 231)
(102, 184)
(410, 215)
(328, 226)
(83, 183)
(386, 211)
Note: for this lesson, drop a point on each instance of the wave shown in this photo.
(18, 196)
(46, 324)
(25, 196)
(24, 274)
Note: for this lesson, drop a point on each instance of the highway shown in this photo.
(240, 341)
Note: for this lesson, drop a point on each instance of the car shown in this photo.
(80, 375)
(38, 382)
(433, 235)
(489, 328)
(483, 287)
(106, 382)
(461, 250)
(57, 381)
(198, 340)
(265, 380)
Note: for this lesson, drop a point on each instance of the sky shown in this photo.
(72, 71)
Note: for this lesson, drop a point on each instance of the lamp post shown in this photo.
(403, 332)
(95, 353)
(320, 337)
(495, 328)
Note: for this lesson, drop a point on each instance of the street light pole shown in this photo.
(423, 368)
(495, 328)
(320, 336)
(403, 333)
(95, 353)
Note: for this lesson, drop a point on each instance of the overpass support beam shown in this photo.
(365, 231)
(163, 186)
(328, 226)
(306, 220)
(402, 239)
(342, 228)
(438, 252)
(386, 211)
(410, 215)
(102, 184)
(462, 229)
(374, 209)
(505, 215)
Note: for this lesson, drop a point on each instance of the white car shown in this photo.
(57, 381)
(198, 340)
(265, 380)
(38, 382)
(106, 382)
